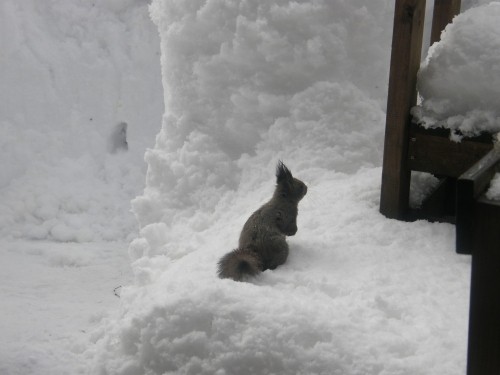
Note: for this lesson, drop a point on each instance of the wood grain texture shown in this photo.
(405, 61)
(444, 11)
(483, 357)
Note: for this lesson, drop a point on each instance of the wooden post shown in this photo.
(405, 61)
(470, 186)
(478, 223)
(483, 357)
(444, 11)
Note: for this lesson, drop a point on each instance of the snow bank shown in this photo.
(460, 80)
(359, 295)
(70, 72)
(247, 83)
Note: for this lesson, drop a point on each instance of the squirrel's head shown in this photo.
(288, 187)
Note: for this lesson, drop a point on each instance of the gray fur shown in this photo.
(262, 243)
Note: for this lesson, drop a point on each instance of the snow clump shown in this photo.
(459, 82)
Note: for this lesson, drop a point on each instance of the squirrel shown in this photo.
(262, 243)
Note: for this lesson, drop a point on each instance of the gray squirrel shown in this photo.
(262, 243)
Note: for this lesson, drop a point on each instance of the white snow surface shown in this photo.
(70, 72)
(245, 83)
(459, 82)
(54, 296)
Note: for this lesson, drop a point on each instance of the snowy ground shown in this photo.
(245, 83)
(54, 295)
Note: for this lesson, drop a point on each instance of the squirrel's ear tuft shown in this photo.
(283, 174)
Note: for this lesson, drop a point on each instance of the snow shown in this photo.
(71, 71)
(54, 296)
(459, 81)
(359, 295)
(244, 84)
(493, 191)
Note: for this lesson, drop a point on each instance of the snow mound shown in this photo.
(359, 295)
(459, 82)
(248, 80)
(247, 83)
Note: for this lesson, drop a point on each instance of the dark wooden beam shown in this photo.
(483, 357)
(470, 186)
(481, 173)
(444, 11)
(405, 62)
(477, 230)
(432, 151)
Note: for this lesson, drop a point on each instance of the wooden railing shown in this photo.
(465, 170)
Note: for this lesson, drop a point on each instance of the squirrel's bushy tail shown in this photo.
(239, 264)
